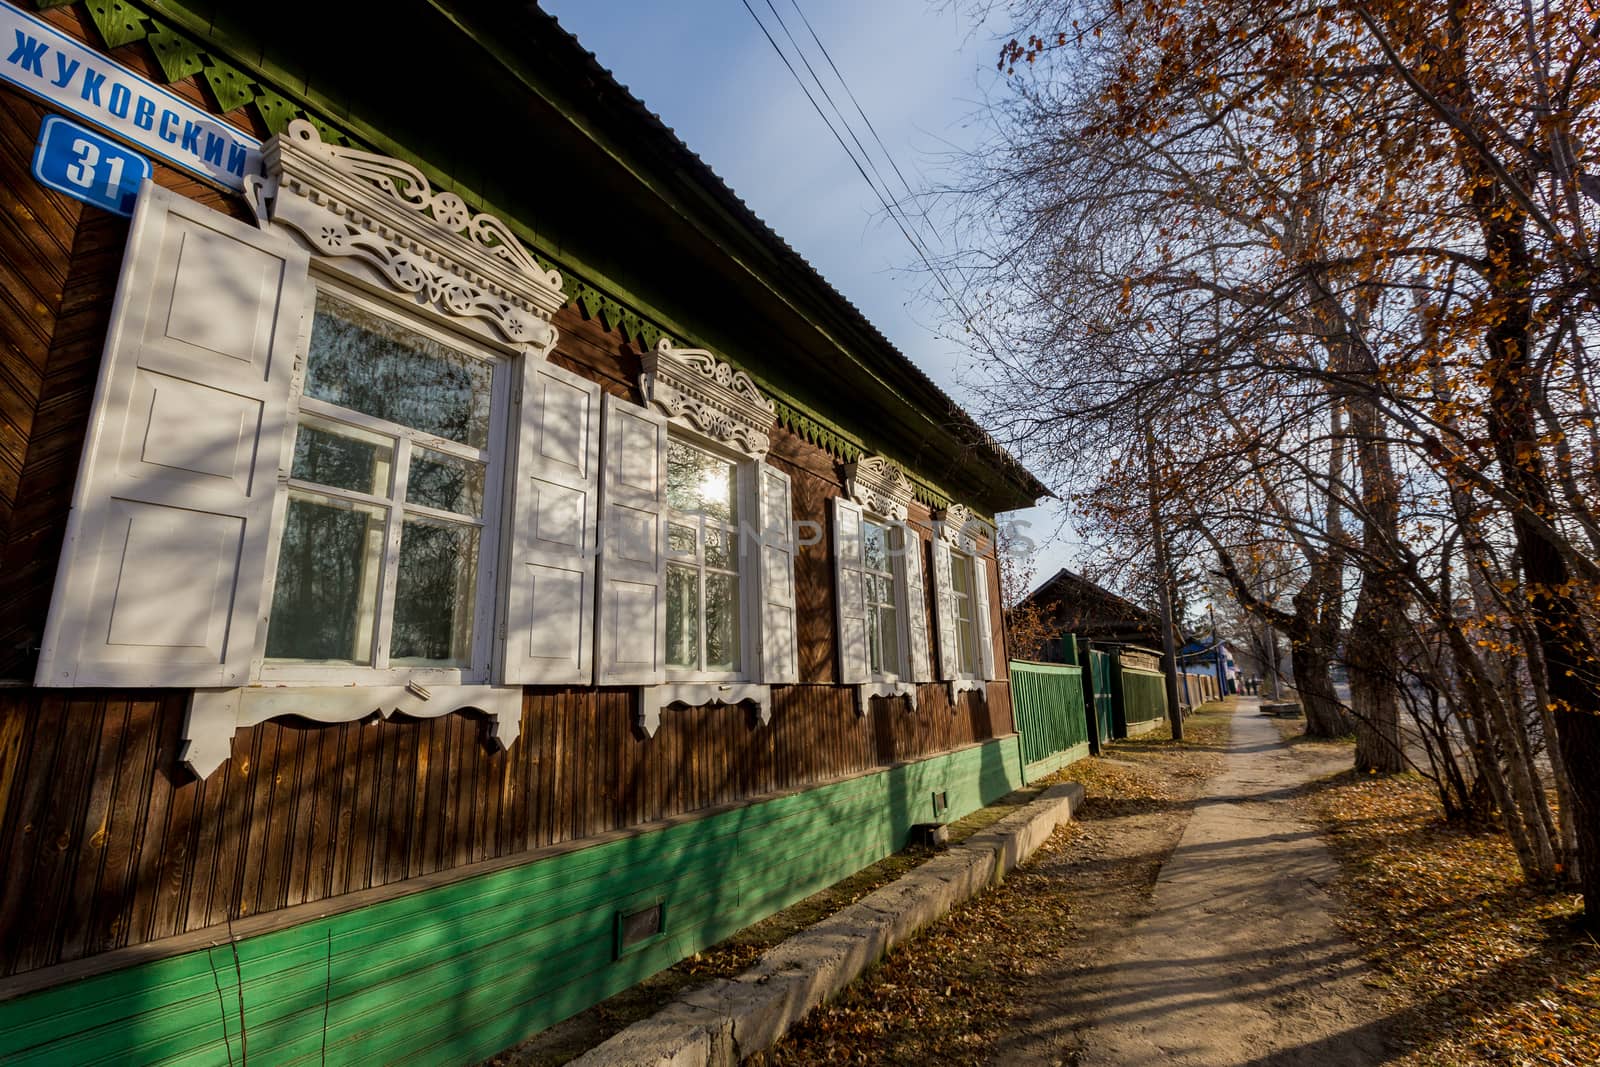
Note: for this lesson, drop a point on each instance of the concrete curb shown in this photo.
(727, 1021)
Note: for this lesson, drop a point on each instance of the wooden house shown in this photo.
(457, 560)
(1069, 603)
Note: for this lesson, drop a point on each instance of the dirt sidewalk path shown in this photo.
(1239, 961)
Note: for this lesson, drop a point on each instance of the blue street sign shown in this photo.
(88, 166)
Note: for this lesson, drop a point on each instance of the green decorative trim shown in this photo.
(178, 55)
(846, 447)
(276, 113)
(597, 304)
(121, 22)
(819, 432)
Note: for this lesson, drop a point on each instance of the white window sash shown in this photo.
(382, 671)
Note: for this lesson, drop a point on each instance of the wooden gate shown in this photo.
(1099, 679)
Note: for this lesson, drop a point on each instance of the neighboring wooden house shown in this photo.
(457, 559)
(1069, 603)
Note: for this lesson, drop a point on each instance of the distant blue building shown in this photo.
(1199, 656)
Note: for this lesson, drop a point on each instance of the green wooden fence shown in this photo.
(1144, 697)
(1047, 700)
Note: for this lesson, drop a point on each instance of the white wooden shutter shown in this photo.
(779, 636)
(550, 583)
(916, 606)
(849, 573)
(632, 574)
(944, 603)
(162, 574)
(980, 607)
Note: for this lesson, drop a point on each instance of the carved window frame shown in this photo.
(885, 492)
(955, 526)
(376, 223)
(712, 406)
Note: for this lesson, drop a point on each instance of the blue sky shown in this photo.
(919, 72)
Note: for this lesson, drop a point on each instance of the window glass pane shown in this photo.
(969, 652)
(874, 640)
(370, 364)
(961, 574)
(330, 562)
(433, 597)
(875, 540)
(698, 482)
(680, 540)
(719, 547)
(722, 622)
(891, 639)
(683, 618)
(342, 457)
(445, 482)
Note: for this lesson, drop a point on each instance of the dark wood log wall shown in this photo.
(109, 842)
(37, 232)
(105, 841)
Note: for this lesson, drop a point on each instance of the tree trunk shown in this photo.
(1565, 644)
(1312, 680)
(1372, 649)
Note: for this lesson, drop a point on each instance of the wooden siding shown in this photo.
(457, 972)
(37, 230)
(109, 842)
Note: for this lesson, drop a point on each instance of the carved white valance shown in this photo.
(214, 714)
(692, 386)
(879, 486)
(382, 214)
(865, 691)
(959, 527)
(965, 685)
(652, 698)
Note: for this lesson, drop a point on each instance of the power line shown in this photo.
(837, 73)
(900, 223)
(866, 155)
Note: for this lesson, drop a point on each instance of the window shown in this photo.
(963, 600)
(331, 496)
(388, 529)
(881, 553)
(703, 554)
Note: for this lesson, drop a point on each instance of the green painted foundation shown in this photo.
(458, 972)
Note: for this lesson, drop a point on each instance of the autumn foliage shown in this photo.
(1340, 260)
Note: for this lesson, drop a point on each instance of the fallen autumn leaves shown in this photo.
(965, 982)
(1478, 967)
